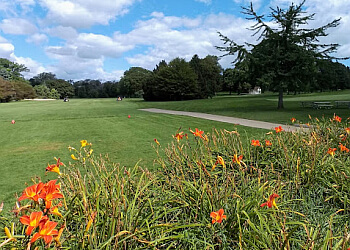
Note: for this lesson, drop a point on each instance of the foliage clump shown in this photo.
(219, 190)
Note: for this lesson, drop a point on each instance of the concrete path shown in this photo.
(227, 119)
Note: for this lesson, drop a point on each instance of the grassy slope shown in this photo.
(45, 129)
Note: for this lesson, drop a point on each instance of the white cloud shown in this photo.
(66, 33)
(168, 37)
(84, 13)
(17, 26)
(6, 50)
(74, 68)
(37, 38)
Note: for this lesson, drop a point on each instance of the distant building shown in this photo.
(255, 91)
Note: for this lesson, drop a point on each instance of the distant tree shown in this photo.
(53, 94)
(42, 91)
(109, 89)
(208, 72)
(130, 85)
(176, 81)
(15, 90)
(64, 88)
(23, 90)
(287, 52)
(229, 79)
(7, 90)
(42, 78)
(87, 88)
(11, 70)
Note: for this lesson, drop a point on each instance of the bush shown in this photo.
(211, 191)
(15, 90)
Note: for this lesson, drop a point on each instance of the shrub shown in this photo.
(285, 190)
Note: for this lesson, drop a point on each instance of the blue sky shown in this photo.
(100, 39)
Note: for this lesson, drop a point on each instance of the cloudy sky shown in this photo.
(100, 39)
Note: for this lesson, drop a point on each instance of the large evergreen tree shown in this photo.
(286, 55)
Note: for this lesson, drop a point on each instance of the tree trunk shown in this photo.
(280, 99)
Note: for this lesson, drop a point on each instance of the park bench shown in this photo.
(342, 103)
(320, 105)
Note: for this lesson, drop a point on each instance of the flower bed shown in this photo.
(285, 190)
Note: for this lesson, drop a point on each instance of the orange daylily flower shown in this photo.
(331, 151)
(46, 231)
(178, 136)
(50, 192)
(237, 159)
(268, 143)
(293, 119)
(343, 148)
(198, 133)
(186, 136)
(156, 141)
(271, 202)
(278, 129)
(55, 167)
(54, 210)
(219, 160)
(336, 118)
(33, 192)
(32, 221)
(217, 216)
(256, 143)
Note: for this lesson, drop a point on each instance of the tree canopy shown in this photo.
(11, 70)
(181, 80)
(286, 57)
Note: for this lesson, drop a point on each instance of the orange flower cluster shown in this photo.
(336, 118)
(278, 129)
(256, 143)
(179, 136)
(198, 133)
(331, 151)
(217, 216)
(46, 192)
(343, 148)
(271, 202)
(55, 167)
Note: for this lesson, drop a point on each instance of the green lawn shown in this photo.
(44, 130)
(261, 107)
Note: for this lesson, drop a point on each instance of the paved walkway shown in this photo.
(227, 119)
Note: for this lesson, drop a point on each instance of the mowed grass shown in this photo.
(45, 129)
(262, 107)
